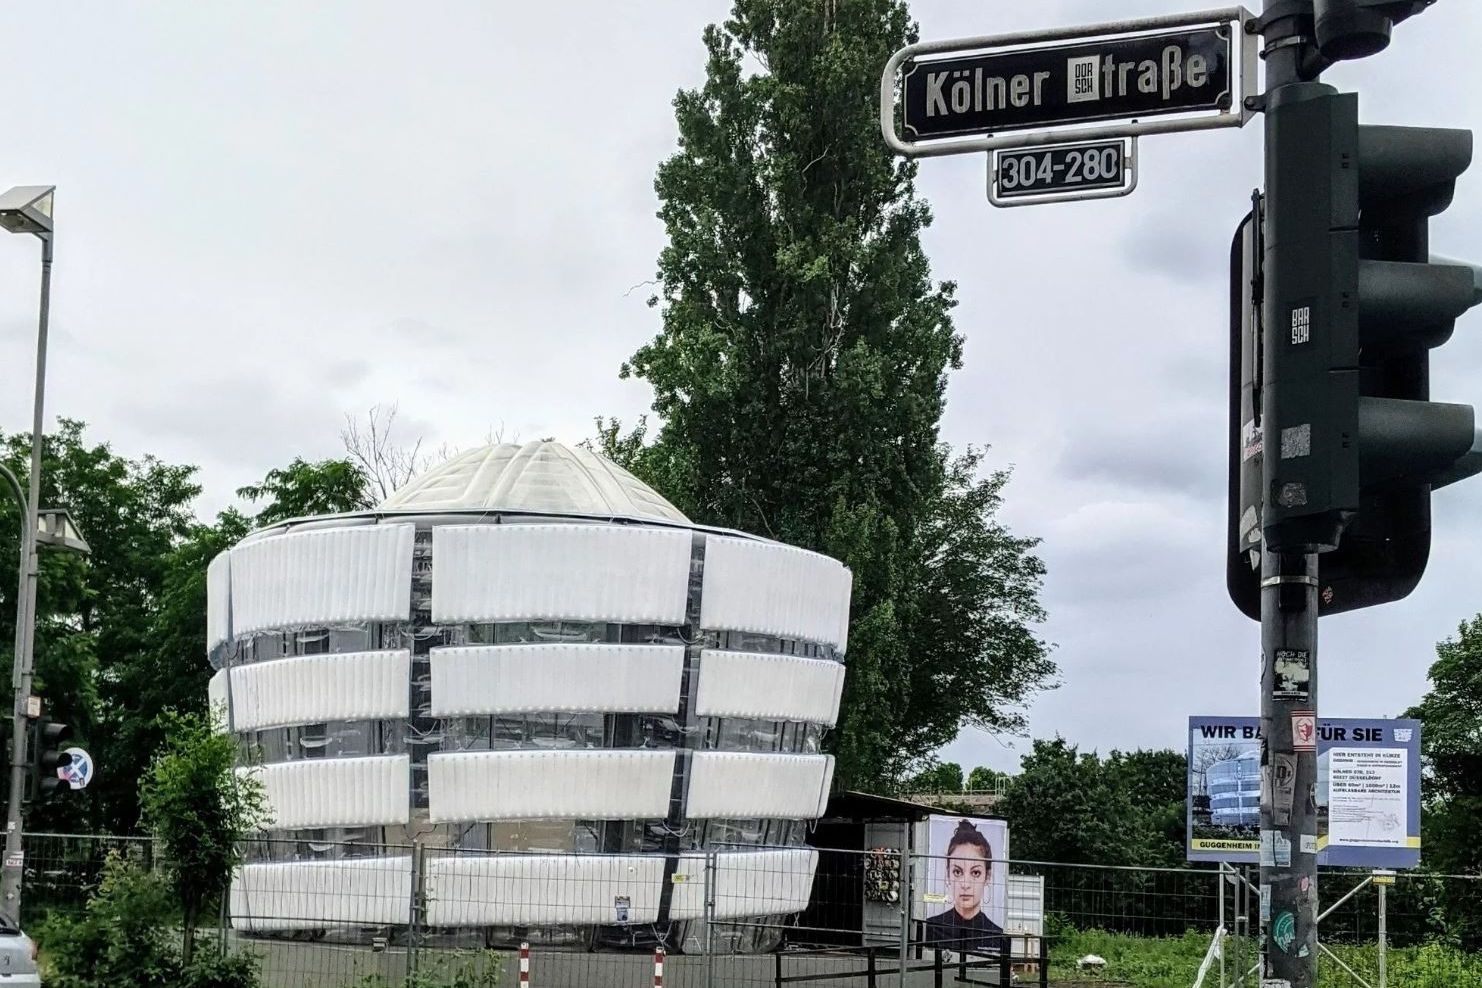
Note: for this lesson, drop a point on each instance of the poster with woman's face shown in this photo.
(966, 887)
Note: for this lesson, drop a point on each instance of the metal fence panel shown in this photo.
(371, 916)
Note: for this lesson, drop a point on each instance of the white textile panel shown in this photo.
(747, 883)
(517, 572)
(556, 678)
(336, 792)
(307, 895)
(490, 889)
(331, 576)
(773, 589)
(313, 689)
(772, 687)
(587, 784)
(218, 600)
(750, 784)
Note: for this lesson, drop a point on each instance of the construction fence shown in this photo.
(415, 915)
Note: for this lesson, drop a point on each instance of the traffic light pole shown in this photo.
(1289, 604)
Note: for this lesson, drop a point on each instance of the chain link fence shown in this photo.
(421, 916)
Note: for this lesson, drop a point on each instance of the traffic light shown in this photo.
(47, 738)
(1351, 444)
(1358, 28)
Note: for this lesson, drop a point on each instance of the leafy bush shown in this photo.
(128, 935)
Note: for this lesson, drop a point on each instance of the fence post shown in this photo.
(710, 878)
(1220, 886)
(905, 903)
(418, 870)
(1044, 963)
(1383, 880)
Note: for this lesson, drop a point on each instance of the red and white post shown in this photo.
(658, 967)
(524, 964)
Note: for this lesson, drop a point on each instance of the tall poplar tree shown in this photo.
(800, 372)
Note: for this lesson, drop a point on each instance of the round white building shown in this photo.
(529, 695)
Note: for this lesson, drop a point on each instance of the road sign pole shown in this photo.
(1289, 603)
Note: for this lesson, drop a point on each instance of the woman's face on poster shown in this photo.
(967, 877)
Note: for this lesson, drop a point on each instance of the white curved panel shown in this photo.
(749, 784)
(336, 792)
(544, 477)
(776, 687)
(311, 689)
(747, 883)
(773, 589)
(333, 576)
(306, 895)
(218, 600)
(527, 785)
(526, 889)
(498, 679)
(519, 572)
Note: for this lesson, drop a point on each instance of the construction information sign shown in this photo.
(1367, 793)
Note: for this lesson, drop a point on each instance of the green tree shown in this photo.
(96, 617)
(1158, 783)
(943, 777)
(1451, 740)
(800, 372)
(302, 488)
(1063, 807)
(199, 810)
(984, 779)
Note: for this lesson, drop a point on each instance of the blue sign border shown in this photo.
(1247, 730)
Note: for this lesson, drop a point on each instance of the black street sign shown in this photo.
(1180, 71)
(1062, 170)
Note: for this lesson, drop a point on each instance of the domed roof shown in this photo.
(546, 477)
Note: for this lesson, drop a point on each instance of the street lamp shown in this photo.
(26, 209)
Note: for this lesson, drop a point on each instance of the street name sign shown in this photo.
(1061, 172)
(1154, 75)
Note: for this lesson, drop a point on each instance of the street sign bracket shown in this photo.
(1238, 115)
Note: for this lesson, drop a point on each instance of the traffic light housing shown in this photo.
(1336, 445)
(1359, 28)
(47, 738)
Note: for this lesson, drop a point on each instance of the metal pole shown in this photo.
(1384, 929)
(419, 867)
(1289, 579)
(905, 902)
(10, 872)
(710, 915)
(1221, 924)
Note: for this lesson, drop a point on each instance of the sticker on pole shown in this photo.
(79, 771)
(1304, 730)
(16, 859)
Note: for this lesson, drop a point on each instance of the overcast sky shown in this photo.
(272, 214)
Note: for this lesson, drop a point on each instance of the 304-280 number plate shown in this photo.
(1060, 172)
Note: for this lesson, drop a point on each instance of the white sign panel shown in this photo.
(1367, 797)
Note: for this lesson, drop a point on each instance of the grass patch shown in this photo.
(1172, 962)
